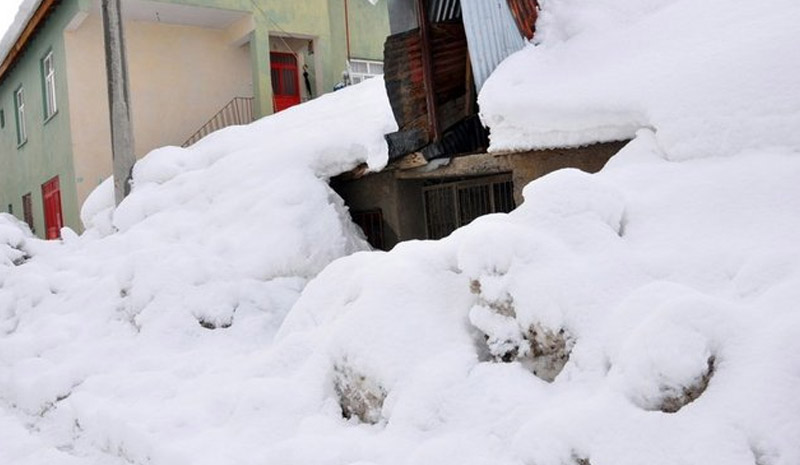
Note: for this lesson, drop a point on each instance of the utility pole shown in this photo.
(119, 103)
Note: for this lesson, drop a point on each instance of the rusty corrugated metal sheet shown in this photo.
(492, 35)
(525, 13)
(404, 80)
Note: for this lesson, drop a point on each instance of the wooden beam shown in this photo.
(27, 34)
(427, 68)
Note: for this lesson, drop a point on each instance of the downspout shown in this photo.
(347, 30)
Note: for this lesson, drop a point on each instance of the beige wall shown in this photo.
(170, 66)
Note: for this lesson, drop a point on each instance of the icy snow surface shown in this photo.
(660, 296)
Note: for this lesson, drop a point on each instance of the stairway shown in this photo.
(237, 112)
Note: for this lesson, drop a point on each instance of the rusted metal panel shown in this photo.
(430, 85)
(404, 80)
(449, 54)
(525, 13)
(404, 75)
(492, 35)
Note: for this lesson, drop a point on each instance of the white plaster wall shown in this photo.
(180, 77)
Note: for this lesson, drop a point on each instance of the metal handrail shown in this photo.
(238, 111)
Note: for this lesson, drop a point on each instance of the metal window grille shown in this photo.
(451, 205)
(361, 70)
(371, 222)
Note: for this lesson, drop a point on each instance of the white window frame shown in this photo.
(49, 78)
(19, 101)
(373, 68)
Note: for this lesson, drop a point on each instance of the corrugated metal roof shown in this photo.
(444, 10)
(492, 35)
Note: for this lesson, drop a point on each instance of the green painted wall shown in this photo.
(48, 150)
(369, 26)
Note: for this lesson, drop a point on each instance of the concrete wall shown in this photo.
(400, 203)
(180, 76)
(398, 193)
(48, 150)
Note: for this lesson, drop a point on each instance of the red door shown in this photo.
(285, 80)
(53, 221)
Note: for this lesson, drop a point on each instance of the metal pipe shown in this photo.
(347, 29)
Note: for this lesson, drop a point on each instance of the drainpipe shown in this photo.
(347, 30)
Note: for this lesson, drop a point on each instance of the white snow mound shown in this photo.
(712, 77)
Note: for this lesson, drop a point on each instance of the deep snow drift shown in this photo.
(646, 314)
(713, 77)
(210, 251)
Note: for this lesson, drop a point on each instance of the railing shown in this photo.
(237, 111)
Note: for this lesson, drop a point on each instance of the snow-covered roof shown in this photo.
(14, 32)
(607, 68)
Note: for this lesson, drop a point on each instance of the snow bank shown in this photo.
(645, 314)
(711, 77)
(670, 298)
(166, 301)
(13, 237)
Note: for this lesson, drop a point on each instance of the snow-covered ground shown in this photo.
(645, 314)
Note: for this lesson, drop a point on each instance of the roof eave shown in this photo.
(26, 35)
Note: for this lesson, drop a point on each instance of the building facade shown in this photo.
(440, 176)
(194, 66)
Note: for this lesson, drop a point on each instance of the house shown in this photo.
(440, 176)
(194, 66)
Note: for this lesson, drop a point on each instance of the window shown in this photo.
(49, 80)
(19, 102)
(450, 205)
(27, 210)
(371, 222)
(361, 70)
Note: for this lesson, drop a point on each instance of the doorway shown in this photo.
(285, 80)
(53, 219)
